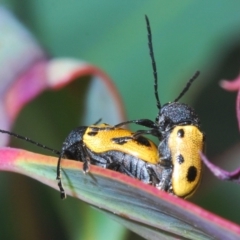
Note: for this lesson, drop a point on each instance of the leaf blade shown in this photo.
(126, 198)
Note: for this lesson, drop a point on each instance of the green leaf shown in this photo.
(144, 209)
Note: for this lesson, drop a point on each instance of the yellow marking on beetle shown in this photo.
(102, 142)
(187, 173)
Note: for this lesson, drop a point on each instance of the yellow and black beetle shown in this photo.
(177, 126)
(137, 158)
(94, 144)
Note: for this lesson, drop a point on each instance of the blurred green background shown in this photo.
(187, 36)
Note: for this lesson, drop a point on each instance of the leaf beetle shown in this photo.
(177, 127)
(95, 145)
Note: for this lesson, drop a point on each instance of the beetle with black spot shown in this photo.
(177, 127)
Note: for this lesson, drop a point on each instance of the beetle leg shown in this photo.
(143, 122)
(60, 185)
(123, 169)
(165, 183)
(86, 160)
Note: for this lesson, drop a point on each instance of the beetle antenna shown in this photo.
(150, 45)
(30, 140)
(98, 121)
(188, 85)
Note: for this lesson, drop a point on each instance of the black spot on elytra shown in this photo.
(191, 174)
(92, 133)
(180, 159)
(121, 140)
(142, 141)
(180, 133)
(139, 140)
